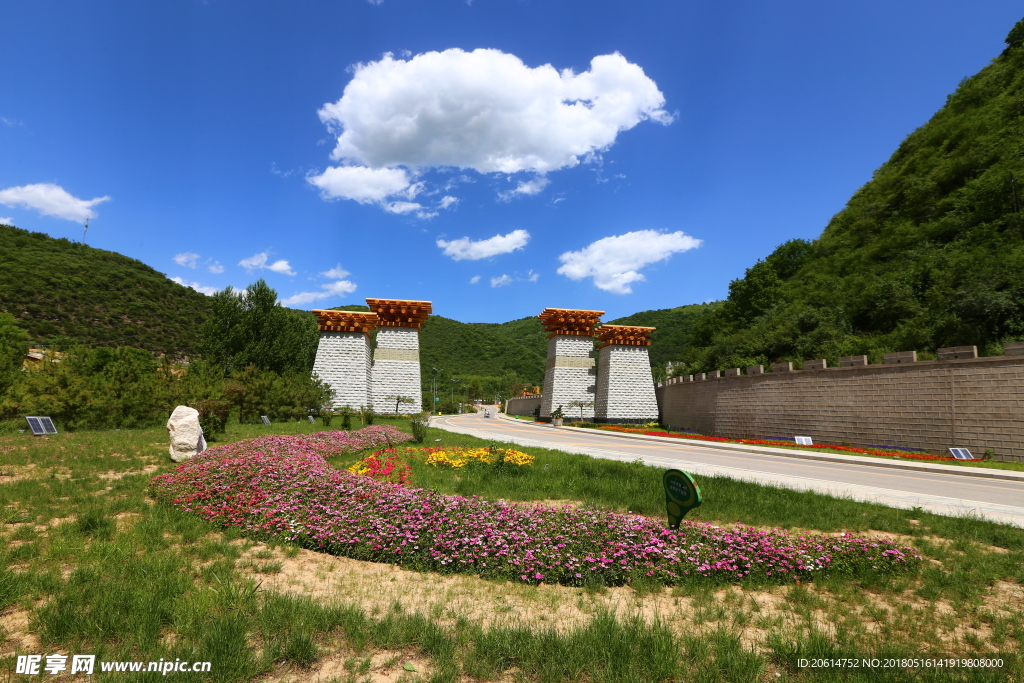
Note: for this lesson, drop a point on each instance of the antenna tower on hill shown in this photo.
(85, 230)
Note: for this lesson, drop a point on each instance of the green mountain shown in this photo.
(928, 254)
(516, 348)
(676, 328)
(55, 287)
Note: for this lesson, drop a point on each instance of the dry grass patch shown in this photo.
(752, 614)
(372, 665)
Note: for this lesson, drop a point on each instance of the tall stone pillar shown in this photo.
(396, 360)
(625, 385)
(343, 355)
(570, 373)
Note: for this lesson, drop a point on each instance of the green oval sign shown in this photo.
(681, 495)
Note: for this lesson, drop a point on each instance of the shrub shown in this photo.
(419, 427)
(213, 417)
(368, 415)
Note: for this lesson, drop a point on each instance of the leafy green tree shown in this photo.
(14, 343)
(251, 329)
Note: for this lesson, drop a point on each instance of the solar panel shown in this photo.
(41, 426)
(264, 419)
(961, 454)
(804, 441)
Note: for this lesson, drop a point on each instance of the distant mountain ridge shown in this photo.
(59, 287)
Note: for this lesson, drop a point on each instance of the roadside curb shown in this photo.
(802, 455)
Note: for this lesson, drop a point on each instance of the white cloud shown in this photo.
(614, 262)
(364, 185)
(533, 277)
(447, 201)
(475, 279)
(6, 221)
(501, 281)
(259, 262)
(488, 111)
(10, 122)
(338, 288)
(335, 273)
(208, 291)
(483, 110)
(281, 267)
(51, 200)
(402, 207)
(187, 259)
(215, 268)
(467, 249)
(525, 188)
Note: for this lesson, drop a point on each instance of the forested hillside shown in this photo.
(101, 298)
(517, 348)
(675, 331)
(929, 253)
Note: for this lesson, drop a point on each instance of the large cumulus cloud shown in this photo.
(483, 110)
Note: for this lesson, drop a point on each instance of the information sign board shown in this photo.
(681, 495)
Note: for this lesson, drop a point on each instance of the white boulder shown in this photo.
(186, 435)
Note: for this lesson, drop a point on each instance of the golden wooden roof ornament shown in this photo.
(400, 312)
(624, 335)
(346, 321)
(570, 321)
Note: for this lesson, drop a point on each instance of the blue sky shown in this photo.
(495, 157)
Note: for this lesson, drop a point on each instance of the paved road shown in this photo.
(936, 491)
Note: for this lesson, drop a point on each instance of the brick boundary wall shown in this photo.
(522, 405)
(959, 400)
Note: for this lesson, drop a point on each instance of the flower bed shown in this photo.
(283, 487)
(392, 464)
(386, 465)
(900, 453)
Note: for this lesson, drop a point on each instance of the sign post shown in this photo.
(681, 495)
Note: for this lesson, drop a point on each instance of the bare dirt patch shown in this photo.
(15, 622)
(149, 469)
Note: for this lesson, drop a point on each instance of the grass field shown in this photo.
(93, 566)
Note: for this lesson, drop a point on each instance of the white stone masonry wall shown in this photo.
(625, 386)
(570, 376)
(343, 361)
(396, 370)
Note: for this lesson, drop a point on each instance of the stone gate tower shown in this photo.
(396, 360)
(343, 355)
(570, 373)
(625, 386)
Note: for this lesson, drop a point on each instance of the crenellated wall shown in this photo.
(522, 405)
(959, 400)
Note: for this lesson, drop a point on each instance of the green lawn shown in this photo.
(92, 565)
